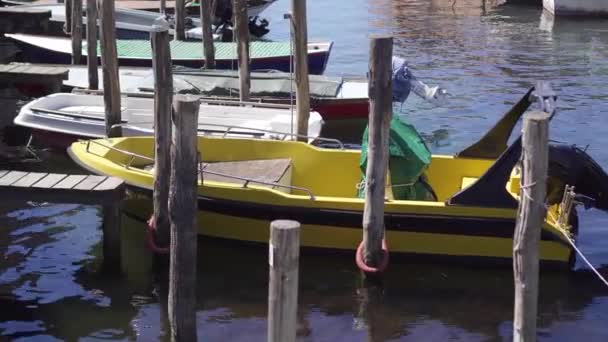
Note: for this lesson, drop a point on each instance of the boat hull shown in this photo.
(317, 61)
(447, 238)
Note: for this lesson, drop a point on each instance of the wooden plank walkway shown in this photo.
(33, 73)
(62, 188)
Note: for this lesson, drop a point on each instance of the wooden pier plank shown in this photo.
(12, 177)
(109, 184)
(69, 182)
(50, 180)
(90, 183)
(60, 188)
(30, 179)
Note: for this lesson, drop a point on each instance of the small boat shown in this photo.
(130, 24)
(60, 119)
(318, 188)
(334, 97)
(254, 7)
(263, 55)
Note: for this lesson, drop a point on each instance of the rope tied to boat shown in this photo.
(558, 223)
(151, 239)
(360, 259)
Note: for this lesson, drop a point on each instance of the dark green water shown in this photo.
(51, 283)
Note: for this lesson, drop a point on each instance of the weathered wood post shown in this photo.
(163, 99)
(76, 31)
(182, 209)
(531, 214)
(380, 113)
(163, 7)
(92, 44)
(241, 27)
(300, 30)
(283, 258)
(180, 17)
(111, 237)
(67, 26)
(109, 62)
(206, 23)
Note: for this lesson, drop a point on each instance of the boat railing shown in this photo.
(201, 169)
(248, 180)
(249, 131)
(148, 93)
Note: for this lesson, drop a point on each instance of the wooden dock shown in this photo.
(14, 19)
(49, 77)
(63, 188)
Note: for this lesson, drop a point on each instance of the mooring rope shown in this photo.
(525, 189)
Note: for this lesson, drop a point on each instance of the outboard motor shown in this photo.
(571, 165)
(404, 82)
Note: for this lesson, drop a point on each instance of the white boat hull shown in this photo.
(576, 7)
(80, 115)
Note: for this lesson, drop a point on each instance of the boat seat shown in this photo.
(263, 170)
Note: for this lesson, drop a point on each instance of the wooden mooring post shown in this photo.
(283, 259)
(163, 7)
(241, 27)
(182, 211)
(206, 22)
(300, 31)
(109, 62)
(76, 31)
(180, 18)
(67, 26)
(111, 237)
(163, 99)
(92, 44)
(531, 214)
(380, 99)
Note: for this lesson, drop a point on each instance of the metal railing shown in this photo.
(256, 132)
(201, 169)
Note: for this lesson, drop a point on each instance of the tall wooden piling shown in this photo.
(283, 259)
(241, 27)
(180, 17)
(206, 23)
(163, 7)
(92, 44)
(182, 209)
(67, 26)
(300, 31)
(109, 62)
(111, 237)
(531, 214)
(380, 99)
(163, 99)
(76, 31)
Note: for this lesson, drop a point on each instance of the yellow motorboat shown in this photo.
(318, 188)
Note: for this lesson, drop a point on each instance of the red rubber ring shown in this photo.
(151, 240)
(359, 259)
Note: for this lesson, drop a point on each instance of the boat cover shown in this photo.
(409, 157)
(226, 83)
